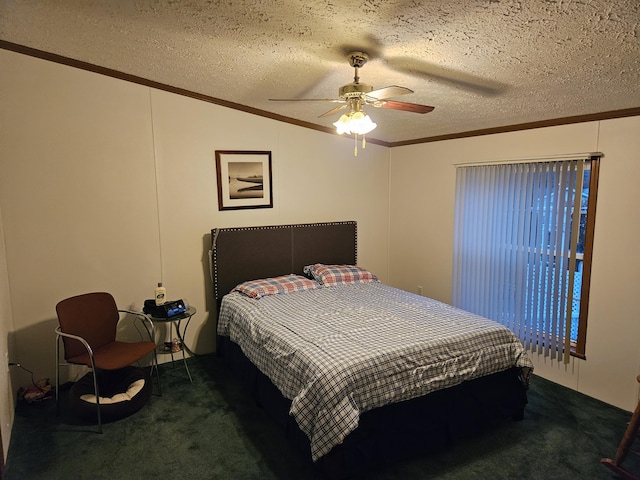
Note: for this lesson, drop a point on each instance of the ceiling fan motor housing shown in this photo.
(354, 90)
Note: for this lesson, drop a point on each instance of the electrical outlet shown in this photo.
(419, 287)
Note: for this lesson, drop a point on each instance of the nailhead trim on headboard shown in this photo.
(350, 251)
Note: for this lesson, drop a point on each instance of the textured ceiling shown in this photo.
(481, 64)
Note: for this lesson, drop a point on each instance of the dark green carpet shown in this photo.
(211, 430)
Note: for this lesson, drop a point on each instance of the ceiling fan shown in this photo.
(363, 94)
(355, 96)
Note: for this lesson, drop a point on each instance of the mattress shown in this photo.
(339, 351)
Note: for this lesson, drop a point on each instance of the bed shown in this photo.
(356, 372)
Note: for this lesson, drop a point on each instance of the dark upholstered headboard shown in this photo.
(249, 253)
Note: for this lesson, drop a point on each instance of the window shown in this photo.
(522, 248)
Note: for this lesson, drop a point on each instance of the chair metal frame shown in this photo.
(151, 332)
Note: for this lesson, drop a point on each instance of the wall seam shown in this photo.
(155, 168)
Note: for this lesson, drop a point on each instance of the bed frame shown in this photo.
(386, 434)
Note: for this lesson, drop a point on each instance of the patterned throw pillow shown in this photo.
(275, 285)
(339, 274)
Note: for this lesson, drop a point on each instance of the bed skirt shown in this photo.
(394, 432)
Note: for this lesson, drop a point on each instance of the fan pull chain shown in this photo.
(364, 143)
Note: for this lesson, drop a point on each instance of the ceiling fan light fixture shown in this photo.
(354, 122)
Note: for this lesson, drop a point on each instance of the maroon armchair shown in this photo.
(88, 325)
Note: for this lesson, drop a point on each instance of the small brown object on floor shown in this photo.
(623, 448)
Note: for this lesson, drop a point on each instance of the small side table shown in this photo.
(175, 321)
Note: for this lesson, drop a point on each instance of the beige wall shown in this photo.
(108, 185)
(422, 192)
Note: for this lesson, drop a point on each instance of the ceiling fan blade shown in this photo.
(404, 106)
(388, 92)
(447, 76)
(334, 100)
(333, 110)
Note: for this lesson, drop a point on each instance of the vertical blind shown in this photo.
(515, 247)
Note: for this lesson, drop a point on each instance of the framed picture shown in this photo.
(244, 179)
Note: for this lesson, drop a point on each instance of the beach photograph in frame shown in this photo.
(244, 179)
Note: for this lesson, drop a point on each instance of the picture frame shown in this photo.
(244, 179)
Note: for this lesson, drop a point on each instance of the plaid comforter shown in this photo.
(342, 350)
